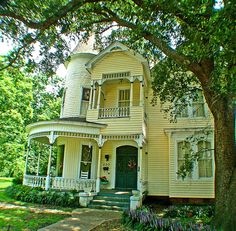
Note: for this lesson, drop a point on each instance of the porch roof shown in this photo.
(74, 125)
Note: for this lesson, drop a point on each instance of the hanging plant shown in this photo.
(132, 164)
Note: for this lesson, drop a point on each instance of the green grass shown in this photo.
(4, 183)
(23, 219)
(31, 217)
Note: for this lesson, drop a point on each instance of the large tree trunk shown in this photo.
(225, 162)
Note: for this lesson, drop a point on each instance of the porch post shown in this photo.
(38, 164)
(47, 183)
(51, 141)
(99, 96)
(131, 93)
(141, 93)
(26, 160)
(140, 162)
(94, 95)
(98, 170)
(91, 96)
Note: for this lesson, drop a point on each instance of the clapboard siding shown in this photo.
(161, 157)
(117, 62)
(77, 77)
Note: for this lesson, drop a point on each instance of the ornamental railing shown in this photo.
(60, 183)
(87, 185)
(35, 181)
(117, 112)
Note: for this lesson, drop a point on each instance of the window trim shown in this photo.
(118, 94)
(195, 173)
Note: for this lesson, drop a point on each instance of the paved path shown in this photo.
(83, 220)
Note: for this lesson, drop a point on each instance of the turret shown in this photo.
(77, 86)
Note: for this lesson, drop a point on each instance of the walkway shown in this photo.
(83, 219)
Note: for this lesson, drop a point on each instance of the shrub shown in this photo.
(38, 195)
(144, 219)
(199, 212)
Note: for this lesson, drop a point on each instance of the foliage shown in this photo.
(145, 219)
(15, 113)
(24, 99)
(26, 219)
(195, 36)
(204, 213)
(38, 195)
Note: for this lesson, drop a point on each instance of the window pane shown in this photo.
(86, 160)
(184, 148)
(124, 98)
(205, 159)
(198, 105)
(86, 94)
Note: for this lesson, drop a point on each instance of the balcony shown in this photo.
(117, 112)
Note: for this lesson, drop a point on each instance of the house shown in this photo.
(108, 127)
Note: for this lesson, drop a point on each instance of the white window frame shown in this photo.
(195, 172)
(81, 100)
(190, 113)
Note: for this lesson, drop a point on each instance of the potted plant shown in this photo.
(104, 180)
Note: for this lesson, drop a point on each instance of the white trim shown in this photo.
(195, 174)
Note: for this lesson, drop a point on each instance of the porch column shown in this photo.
(140, 162)
(141, 93)
(38, 164)
(91, 96)
(131, 93)
(47, 183)
(94, 95)
(98, 170)
(99, 96)
(26, 160)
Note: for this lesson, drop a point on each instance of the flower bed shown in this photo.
(144, 219)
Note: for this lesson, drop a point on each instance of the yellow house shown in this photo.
(108, 128)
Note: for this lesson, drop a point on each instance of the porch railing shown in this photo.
(61, 183)
(35, 181)
(117, 112)
(86, 185)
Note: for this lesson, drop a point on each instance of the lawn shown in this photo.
(16, 215)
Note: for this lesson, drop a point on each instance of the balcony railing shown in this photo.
(61, 183)
(117, 112)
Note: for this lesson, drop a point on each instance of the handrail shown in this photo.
(116, 112)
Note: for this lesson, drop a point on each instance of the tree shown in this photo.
(195, 36)
(15, 113)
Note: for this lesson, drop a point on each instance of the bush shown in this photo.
(18, 180)
(187, 211)
(38, 195)
(144, 219)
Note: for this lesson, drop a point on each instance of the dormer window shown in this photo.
(84, 101)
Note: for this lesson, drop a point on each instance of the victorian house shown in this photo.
(108, 128)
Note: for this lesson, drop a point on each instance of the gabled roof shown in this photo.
(115, 47)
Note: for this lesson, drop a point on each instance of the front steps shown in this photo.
(111, 199)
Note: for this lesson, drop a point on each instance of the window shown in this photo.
(60, 160)
(124, 98)
(198, 105)
(184, 148)
(205, 159)
(201, 164)
(84, 101)
(86, 160)
(195, 108)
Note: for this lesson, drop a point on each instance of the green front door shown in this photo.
(126, 167)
